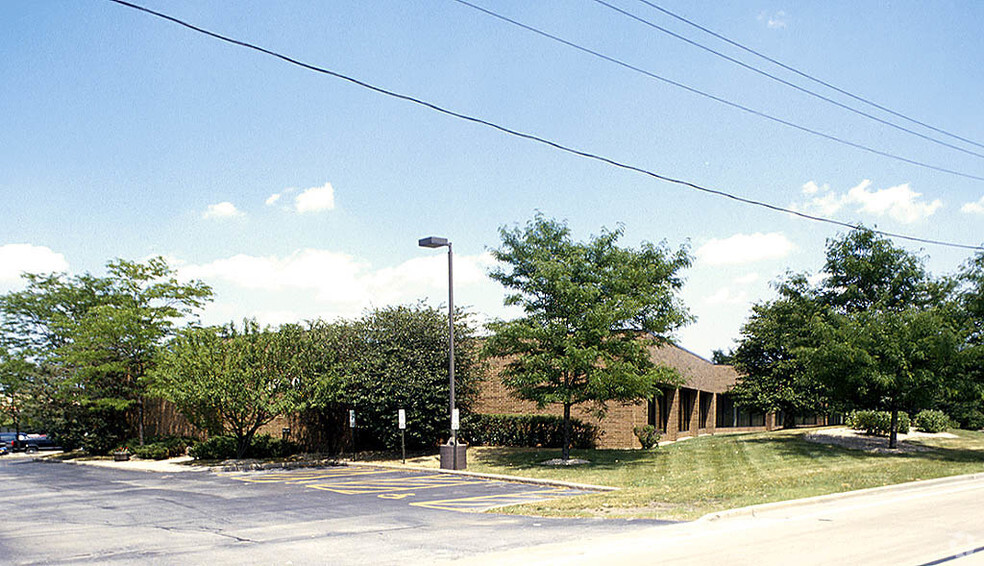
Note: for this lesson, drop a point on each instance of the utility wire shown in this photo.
(809, 76)
(715, 98)
(783, 81)
(531, 137)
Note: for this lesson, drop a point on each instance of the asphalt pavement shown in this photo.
(60, 514)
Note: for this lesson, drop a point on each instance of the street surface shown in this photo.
(55, 513)
(936, 522)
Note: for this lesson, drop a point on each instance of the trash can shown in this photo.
(452, 461)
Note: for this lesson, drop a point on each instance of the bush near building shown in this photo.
(533, 431)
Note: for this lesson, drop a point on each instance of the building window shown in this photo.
(705, 407)
(730, 415)
(687, 398)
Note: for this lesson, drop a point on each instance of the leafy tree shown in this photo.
(893, 360)
(722, 358)
(876, 333)
(591, 310)
(772, 373)
(79, 345)
(390, 359)
(965, 398)
(234, 380)
(864, 270)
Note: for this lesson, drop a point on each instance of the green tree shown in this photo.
(591, 311)
(965, 398)
(893, 360)
(79, 345)
(395, 358)
(234, 381)
(772, 372)
(876, 333)
(866, 271)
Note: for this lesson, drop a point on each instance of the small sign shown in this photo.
(351, 418)
(454, 420)
(403, 419)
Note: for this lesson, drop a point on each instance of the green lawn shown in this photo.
(688, 479)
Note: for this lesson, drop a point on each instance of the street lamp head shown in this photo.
(433, 242)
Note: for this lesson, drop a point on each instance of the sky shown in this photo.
(297, 195)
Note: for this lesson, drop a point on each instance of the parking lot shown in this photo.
(431, 490)
(75, 514)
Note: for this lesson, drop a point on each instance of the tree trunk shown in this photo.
(893, 435)
(567, 432)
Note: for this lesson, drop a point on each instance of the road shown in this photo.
(55, 513)
(936, 522)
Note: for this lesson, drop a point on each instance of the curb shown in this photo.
(100, 464)
(765, 507)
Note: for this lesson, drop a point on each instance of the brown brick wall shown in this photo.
(616, 427)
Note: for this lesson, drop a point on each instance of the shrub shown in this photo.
(161, 448)
(266, 446)
(932, 421)
(215, 448)
(224, 448)
(876, 422)
(648, 436)
(525, 430)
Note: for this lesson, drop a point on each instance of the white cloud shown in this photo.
(16, 259)
(900, 202)
(973, 207)
(745, 248)
(309, 283)
(222, 210)
(811, 188)
(775, 21)
(272, 199)
(315, 199)
(746, 279)
(724, 296)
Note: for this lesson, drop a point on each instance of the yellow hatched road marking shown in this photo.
(390, 485)
(303, 477)
(482, 502)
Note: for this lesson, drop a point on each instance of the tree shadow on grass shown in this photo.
(533, 458)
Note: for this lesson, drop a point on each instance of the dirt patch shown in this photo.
(855, 440)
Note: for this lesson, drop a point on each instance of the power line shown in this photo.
(716, 98)
(784, 81)
(809, 76)
(527, 136)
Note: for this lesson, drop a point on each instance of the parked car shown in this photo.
(26, 442)
(4, 450)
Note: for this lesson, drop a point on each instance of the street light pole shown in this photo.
(436, 242)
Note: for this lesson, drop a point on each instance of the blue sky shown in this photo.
(297, 195)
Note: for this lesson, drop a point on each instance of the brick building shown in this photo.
(701, 405)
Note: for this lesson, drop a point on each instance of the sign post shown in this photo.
(352, 426)
(402, 422)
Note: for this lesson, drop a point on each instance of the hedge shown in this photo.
(161, 448)
(224, 448)
(545, 431)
